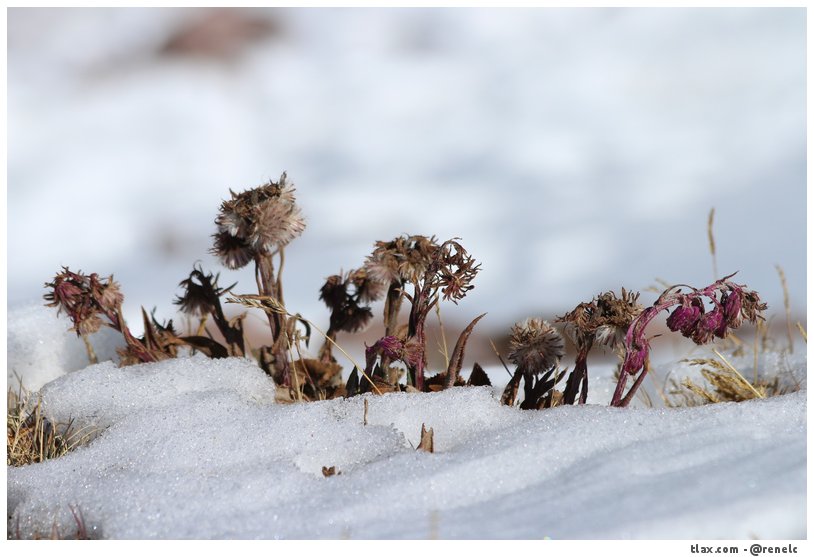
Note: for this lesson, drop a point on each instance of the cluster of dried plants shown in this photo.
(256, 225)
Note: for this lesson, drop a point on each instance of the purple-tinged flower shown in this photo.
(388, 347)
(635, 359)
(708, 326)
(684, 318)
(732, 305)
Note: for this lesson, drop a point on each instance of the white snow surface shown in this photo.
(41, 348)
(198, 448)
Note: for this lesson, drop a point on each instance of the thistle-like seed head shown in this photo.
(536, 346)
(259, 220)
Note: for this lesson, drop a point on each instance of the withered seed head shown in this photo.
(404, 259)
(605, 319)
(258, 220)
(536, 346)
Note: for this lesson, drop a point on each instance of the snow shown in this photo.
(40, 347)
(199, 448)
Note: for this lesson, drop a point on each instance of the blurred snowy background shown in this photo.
(573, 151)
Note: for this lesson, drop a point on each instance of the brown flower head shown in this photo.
(367, 288)
(404, 259)
(605, 319)
(233, 251)
(85, 298)
(259, 220)
(344, 296)
(457, 271)
(536, 346)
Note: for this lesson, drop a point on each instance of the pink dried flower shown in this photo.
(684, 318)
(389, 347)
(709, 325)
(732, 305)
(731, 302)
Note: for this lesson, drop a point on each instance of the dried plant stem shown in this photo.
(757, 340)
(445, 350)
(738, 373)
(89, 347)
(711, 238)
(267, 286)
(802, 332)
(787, 305)
(392, 305)
(202, 325)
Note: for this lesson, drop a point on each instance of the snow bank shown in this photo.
(41, 347)
(197, 448)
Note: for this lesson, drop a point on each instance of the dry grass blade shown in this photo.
(722, 383)
(787, 305)
(738, 374)
(499, 357)
(31, 437)
(711, 238)
(802, 332)
(443, 341)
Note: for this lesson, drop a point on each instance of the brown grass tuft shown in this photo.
(31, 437)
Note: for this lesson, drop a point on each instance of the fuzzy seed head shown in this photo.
(536, 346)
(259, 220)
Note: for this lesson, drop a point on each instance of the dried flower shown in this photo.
(685, 317)
(731, 303)
(536, 346)
(388, 347)
(367, 288)
(201, 293)
(259, 220)
(404, 259)
(85, 298)
(233, 251)
(604, 320)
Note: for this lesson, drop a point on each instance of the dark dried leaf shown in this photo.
(478, 377)
(509, 395)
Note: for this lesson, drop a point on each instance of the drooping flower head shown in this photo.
(259, 220)
(536, 346)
